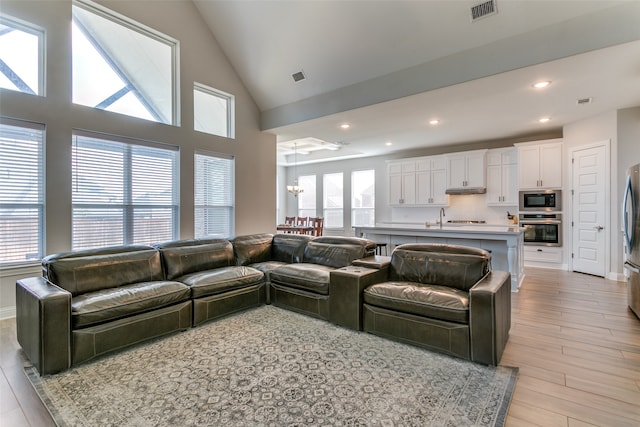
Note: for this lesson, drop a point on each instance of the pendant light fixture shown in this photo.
(295, 189)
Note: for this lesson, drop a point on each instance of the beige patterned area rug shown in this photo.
(272, 367)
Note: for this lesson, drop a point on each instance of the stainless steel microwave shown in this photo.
(541, 200)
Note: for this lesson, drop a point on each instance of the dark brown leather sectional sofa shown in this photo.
(91, 302)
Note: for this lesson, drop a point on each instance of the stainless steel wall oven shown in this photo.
(542, 229)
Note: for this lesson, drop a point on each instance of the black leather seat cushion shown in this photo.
(267, 267)
(434, 301)
(113, 303)
(305, 276)
(220, 280)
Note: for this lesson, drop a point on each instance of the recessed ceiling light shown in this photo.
(345, 126)
(542, 84)
(434, 122)
(544, 119)
(388, 143)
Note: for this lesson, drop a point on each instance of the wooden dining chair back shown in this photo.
(303, 220)
(317, 224)
(290, 220)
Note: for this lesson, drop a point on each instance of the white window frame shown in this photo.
(230, 115)
(140, 28)
(229, 207)
(309, 193)
(328, 224)
(23, 163)
(124, 207)
(354, 207)
(27, 27)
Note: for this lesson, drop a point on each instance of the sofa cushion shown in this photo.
(434, 301)
(252, 248)
(210, 282)
(267, 267)
(114, 303)
(188, 256)
(95, 269)
(336, 252)
(289, 248)
(305, 276)
(447, 265)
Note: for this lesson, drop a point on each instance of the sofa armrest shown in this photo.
(377, 262)
(43, 322)
(345, 293)
(490, 317)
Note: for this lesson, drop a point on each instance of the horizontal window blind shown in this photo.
(123, 193)
(213, 195)
(21, 191)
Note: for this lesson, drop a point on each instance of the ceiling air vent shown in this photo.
(583, 101)
(298, 76)
(483, 10)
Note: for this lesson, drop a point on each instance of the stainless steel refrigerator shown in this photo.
(631, 223)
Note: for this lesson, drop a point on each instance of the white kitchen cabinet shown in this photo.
(431, 181)
(466, 170)
(543, 256)
(502, 177)
(418, 182)
(540, 165)
(402, 183)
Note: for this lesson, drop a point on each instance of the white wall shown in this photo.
(622, 129)
(201, 60)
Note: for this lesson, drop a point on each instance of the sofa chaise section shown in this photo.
(304, 286)
(91, 302)
(217, 285)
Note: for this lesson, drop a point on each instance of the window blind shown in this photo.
(21, 191)
(213, 195)
(123, 193)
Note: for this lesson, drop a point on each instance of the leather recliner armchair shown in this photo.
(444, 298)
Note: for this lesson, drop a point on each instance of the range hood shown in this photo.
(466, 190)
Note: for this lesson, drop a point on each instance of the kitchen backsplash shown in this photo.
(463, 207)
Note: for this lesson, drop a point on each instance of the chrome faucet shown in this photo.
(441, 215)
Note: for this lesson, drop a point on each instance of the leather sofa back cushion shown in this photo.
(252, 248)
(289, 248)
(333, 255)
(89, 271)
(184, 259)
(455, 270)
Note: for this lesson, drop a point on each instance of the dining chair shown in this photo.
(317, 224)
(303, 220)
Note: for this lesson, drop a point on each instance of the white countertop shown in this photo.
(446, 228)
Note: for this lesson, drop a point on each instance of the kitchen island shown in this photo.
(505, 243)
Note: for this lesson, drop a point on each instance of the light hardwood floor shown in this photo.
(573, 337)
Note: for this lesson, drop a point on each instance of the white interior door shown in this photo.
(590, 182)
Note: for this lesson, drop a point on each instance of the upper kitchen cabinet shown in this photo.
(431, 181)
(402, 182)
(466, 172)
(417, 181)
(540, 165)
(502, 177)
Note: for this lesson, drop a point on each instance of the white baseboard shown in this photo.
(618, 277)
(7, 312)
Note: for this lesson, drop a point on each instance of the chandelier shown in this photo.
(295, 189)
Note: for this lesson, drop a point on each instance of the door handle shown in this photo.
(599, 227)
(631, 267)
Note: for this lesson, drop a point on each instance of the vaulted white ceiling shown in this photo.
(388, 67)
